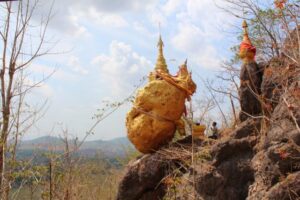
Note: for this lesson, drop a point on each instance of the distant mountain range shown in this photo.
(107, 148)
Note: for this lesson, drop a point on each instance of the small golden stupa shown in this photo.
(161, 61)
(151, 122)
(247, 50)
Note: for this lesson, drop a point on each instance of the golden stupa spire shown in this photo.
(245, 30)
(161, 62)
(185, 62)
(247, 50)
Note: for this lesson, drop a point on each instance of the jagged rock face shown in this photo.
(243, 165)
(287, 189)
(230, 173)
(277, 75)
(279, 159)
(217, 178)
(249, 91)
(144, 176)
(142, 179)
(284, 118)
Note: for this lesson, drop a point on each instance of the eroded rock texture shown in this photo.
(219, 167)
(279, 158)
(250, 91)
(142, 179)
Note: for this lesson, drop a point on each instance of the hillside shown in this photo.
(108, 148)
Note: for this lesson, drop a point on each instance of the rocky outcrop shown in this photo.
(230, 166)
(142, 179)
(250, 90)
(259, 159)
(227, 164)
(250, 79)
(279, 159)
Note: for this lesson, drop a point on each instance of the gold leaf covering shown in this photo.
(151, 122)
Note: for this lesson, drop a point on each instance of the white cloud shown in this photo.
(188, 38)
(121, 68)
(208, 58)
(191, 41)
(76, 29)
(115, 6)
(171, 6)
(45, 90)
(142, 29)
(207, 15)
(199, 32)
(40, 89)
(75, 66)
(71, 15)
(76, 20)
(39, 70)
(106, 19)
(157, 18)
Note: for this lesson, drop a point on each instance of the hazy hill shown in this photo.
(108, 148)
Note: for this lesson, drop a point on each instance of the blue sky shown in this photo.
(109, 45)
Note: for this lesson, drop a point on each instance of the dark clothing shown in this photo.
(213, 137)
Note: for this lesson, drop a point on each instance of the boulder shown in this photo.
(151, 123)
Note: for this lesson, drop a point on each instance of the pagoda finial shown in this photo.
(245, 27)
(183, 71)
(247, 50)
(161, 62)
(246, 36)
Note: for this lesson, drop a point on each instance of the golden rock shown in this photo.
(151, 122)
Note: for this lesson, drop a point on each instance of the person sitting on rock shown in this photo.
(213, 131)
